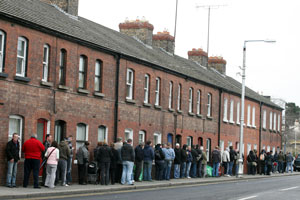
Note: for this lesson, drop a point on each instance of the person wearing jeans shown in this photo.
(127, 155)
(169, 157)
(184, 155)
(177, 161)
(64, 155)
(12, 154)
(189, 162)
(289, 160)
(148, 156)
(216, 159)
(69, 164)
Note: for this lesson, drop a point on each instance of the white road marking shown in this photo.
(291, 188)
(251, 197)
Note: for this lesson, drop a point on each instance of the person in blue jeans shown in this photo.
(169, 157)
(289, 161)
(12, 154)
(194, 162)
(189, 161)
(127, 155)
(177, 161)
(148, 159)
(216, 159)
(184, 155)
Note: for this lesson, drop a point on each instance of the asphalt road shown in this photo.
(287, 188)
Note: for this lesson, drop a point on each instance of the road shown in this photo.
(266, 189)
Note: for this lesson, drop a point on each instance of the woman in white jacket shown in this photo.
(226, 161)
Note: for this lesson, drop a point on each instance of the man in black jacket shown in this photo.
(12, 153)
(177, 161)
(233, 157)
(216, 159)
(139, 157)
(104, 157)
(127, 155)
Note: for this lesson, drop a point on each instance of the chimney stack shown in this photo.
(141, 29)
(218, 63)
(164, 40)
(69, 6)
(198, 55)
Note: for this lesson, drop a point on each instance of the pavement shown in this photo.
(43, 193)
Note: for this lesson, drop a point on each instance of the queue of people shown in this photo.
(121, 163)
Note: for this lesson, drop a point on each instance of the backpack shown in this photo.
(157, 155)
(262, 157)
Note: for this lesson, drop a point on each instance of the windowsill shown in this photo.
(179, 111)
(63, 87)
(209, 117)
(3, 75)
(147, 105)
(199, 116)
(231, 122)
(83, 91)
(45, 83)
(274, 131)
(248, 125)
(99, 94)
(191, 114)
(171, 110)
(131, 101)
(21, 78)
(264, 129)
(254, 127)
(157, 107)
(270, 130)
(225, 120)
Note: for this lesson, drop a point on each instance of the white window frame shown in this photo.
(248, 116)
(273, 149)
(130, 134)
(229, 143)
(231, 111)
(248, 148)
(255, 146)
(268, 148)
(157, 91)
(271, 119)
(158, 135)
(98, 76)
(209, 100)
(129, 84)
(86, 135)
(143, 135)
(189, 141)
(278, 128)
(208, 147)
(23, 58)
(264, 119)
(225, 110)
(2, 51)
(222, 147)
(179, 97)
(191, 91)
(274, 122)
(105, 134)
(10, 132)
(46, 55)
(62, 67)
(198, 102)
(170, 94)
(253, 117)
(238, 106)
(82, 71)
(146, 88)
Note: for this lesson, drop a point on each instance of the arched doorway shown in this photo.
(60, 130)
(200, 141)
(178, 139)
(170, 138)
(41, 130)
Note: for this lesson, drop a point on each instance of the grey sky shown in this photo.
(271, 68)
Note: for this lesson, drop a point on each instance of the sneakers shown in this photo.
(188, 177)
(66, 185)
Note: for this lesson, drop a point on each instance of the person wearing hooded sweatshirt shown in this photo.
(159, 162)
(184, 155)
(251, 158)
(139, 158)
(148, 159)
(64, 155)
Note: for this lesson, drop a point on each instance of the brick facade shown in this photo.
(35, 100)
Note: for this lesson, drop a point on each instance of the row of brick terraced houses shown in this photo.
(63, 75)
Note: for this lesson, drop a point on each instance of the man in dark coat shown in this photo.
(104, 157)
(177, 161)
(139, 158)
(216, 159)
(127, 156)
(12, 154)
(148, 159)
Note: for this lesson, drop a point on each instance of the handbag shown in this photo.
(45, 159)
(254, 164)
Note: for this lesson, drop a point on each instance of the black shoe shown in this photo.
(9, 186)
(15, 186)
(38, 187)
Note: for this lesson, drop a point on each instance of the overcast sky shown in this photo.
(272, 69)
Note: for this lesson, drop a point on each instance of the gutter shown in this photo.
(116, 108)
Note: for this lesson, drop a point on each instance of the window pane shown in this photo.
(101, 134)
(1, 61)
(81, 132)
(45, 54)
(97, 69)
(21, 47)
(97, 81)
(20, 62)
(81, 80)
(1, 42)
(81, 64)
(14, 127)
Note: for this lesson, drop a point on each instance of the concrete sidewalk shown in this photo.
(20, 192)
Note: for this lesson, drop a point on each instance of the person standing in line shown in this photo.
(252, 162)
(104, 157)
(194, 162)
(289, 160)
(233, 157)
(199, 161)
(69, 164)
(64, 155)
(189, 161)
(184, 155)
(280, 162)
(159, 162)
(13, 157)
(83, 156)
(226, 161)
(113, 164)
(216, 159)
(52, 154)
(139, 158)
(148, 159)
(127, 155)
(46, 144)
(118, 146)
(33, 149)
(204, 162)
(177, 161)
(262, 158)
(169, 157)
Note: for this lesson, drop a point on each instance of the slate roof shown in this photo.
(51, 18)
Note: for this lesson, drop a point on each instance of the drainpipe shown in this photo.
(175, 128)
(260, 109)
(116, 110)
(219, 120)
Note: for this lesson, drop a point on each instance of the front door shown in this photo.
(41, 134)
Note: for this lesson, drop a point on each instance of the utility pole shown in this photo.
(175, 27)
(209, 7)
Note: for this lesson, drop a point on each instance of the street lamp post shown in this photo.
(240, 159)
